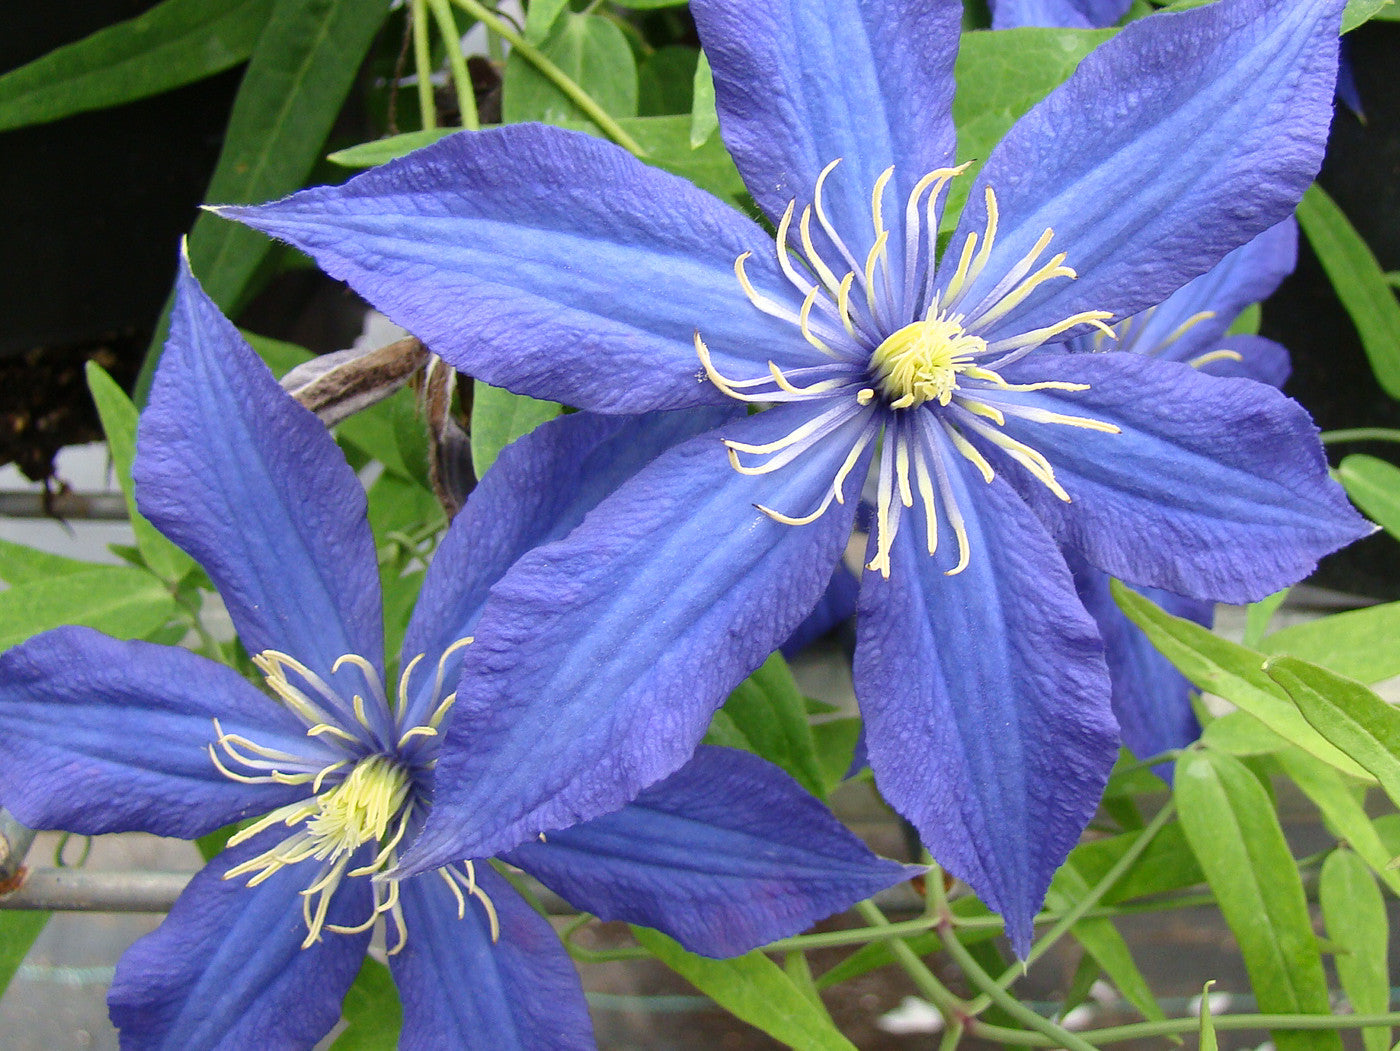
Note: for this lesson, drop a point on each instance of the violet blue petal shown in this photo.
(551, 263)
(538, 490)
(1184, 136)
(462, 989)
(226, 968)
(600, 658)
(248, 482)
(1061, 14)
(799, 85)
(837, 605)
(98, 735)
(1259, 359)
(1215, 489)
(725, 855)
(1151, 699)
(985, 698)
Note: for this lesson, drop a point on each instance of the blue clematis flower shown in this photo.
(557, 265)
(98, 736)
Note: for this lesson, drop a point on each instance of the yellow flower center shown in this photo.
(921, 361)
(360, 808)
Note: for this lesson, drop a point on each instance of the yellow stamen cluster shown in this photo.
(922, 360)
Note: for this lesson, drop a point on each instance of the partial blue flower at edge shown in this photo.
(475, 245)
(98, 735)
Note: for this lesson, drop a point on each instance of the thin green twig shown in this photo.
(934, 991)
(556, 76)
(423, 64)
(1361, 434)
(461, 79)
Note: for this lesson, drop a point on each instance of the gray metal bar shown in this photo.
(89, 890)
(15, 840)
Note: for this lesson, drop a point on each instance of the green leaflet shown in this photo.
(1359, 282)
(1354, 913)
(1349, 715)
(593, 52)
(499, 417)
(767, 715)
(1359, 11)
(1358, 643)
(1231, 825)
(19, 929)
(1207, 1038)
(174, 43)
(372, 1012)
(20, 564)
(300, 72)
(123, 601)
(1231, 671)
(752, 988)
(119, 420)
(1374, 485)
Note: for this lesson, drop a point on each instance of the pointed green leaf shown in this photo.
(120, 600)
(19, 929)
(1359, 11)
(1259, 614)
(499, 418)
(1102, 941)
(20, 564)
(1374, 486)
(174, 43)
(1207, 1039)
(119, 419)
(382, 151)
(1359, 643)
(541, 16)
(1231, 825)
(770, 712)
(704, 117)
(1232, 671)
(305, 60)
(1349, 715)
(1342, 812)
(835, 740)
(1359, 283)
(593, 52)
(372, 1011)
(1354, 914)
(754, 989)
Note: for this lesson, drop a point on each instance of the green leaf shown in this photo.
(1207, 1039)
(754, 989)
(704, 117)
(648, 5)
(1002, 74)
(499, 417)
(372, 1012)
(1102, 941)
(305, 60)
(19, 929)
(1240, 734)
(381, 151)
(1359, 643)
(835, 741)
(280, 357)
(119, 420)
(1348, 714)
(1374, 486)
(1342, 812)
(1359, 11)
(174, 43)
(20, 564)
(1259, 614)
(541, 16)
(1231, 825)
(594, 53)
(666, 81)
(1354, 914)
(1359, 283)
(1229, 670)
(119, 600)
(1247, 322)
(769, 711)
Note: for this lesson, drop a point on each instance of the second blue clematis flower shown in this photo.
(559, 266)
(98, 735)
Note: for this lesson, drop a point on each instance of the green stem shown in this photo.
(556, 76)
(1176, 1026)
(1361, 434)
(423, 65)
(857, 936)
(461, 79)
(1058, 1035)
(1096, 893)
(934, 991)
